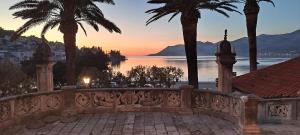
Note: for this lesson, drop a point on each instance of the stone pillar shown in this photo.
(186, 99)
(249, 116)
(69, 113)
(44, 66)
(225, 59)
(44, 74)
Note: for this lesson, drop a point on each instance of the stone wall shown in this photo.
(281, 110)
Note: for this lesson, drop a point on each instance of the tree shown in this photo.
(161, 77)
(251, 10)
(190, 11)
(116, 57)
(67, 15)
(59, 73)
(137, 76)
(13, 81)
(89, 62)
(29, 67)
(91, 57)
(120, 79)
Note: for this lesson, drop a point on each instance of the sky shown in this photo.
(138, 39)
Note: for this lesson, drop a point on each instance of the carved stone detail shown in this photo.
(103, 99)
(126, 98)
(151, 98)
(220, 103)
(236, 107)
(27, 105)
(82, 99)
(5, 111)
(200, 101)
(53, 102)
(173, 98)
(217, 103)
(279, 111)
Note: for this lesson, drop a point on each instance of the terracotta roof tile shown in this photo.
(280, 80)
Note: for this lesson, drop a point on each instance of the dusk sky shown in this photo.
(139, 39)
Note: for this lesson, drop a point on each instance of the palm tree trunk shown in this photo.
(189, 27)
(251, 11)
(70, 49)
(69, 29)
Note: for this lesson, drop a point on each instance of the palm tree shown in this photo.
(251, 10)
(67, 15)
(190, 11)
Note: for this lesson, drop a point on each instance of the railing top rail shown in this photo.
(219, 93)
(28, 95)
(280, 99)
(127, 89)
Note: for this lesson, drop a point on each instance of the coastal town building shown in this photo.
(23, 48)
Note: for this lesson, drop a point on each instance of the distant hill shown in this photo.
(24, 47)
(281, 45)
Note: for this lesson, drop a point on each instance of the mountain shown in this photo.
(280, 45)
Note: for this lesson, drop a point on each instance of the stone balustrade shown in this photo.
(128, 100)
(279, 110)
(18, 109)
(218, 104)
(240, 110)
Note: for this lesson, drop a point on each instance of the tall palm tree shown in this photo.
(190, 11)
(67, 15)
(251, 10)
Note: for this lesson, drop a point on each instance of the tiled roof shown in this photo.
(280, 80)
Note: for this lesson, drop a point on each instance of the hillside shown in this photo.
(281, 45)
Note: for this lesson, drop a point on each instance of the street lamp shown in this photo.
(86, 81)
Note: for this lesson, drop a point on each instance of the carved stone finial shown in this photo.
(43, 38)
(225, 36)
(43, 53)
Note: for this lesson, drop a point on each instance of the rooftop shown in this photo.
(280, 80)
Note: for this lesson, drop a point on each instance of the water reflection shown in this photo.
(207, 67)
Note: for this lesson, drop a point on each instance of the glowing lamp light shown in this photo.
(86, 80)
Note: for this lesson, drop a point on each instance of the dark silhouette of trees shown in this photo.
(13, 81)
(91, 57)
(161, 77)
(59, 74)
(190, 11)
(116, 57)
(251, 10)
(89, 61)
(67, 15)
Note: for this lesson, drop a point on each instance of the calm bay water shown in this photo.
(207, 67)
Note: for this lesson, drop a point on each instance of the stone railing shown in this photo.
(128, 100)
(279, 110)
(218, 104)
(241, 110)
(17, 109)
(71, 101)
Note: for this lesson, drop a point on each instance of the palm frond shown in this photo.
(52, 13)
(270, 1)
(160, 12)
(29, 24)
(80, 24)
(49, 25)
(25, 4)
